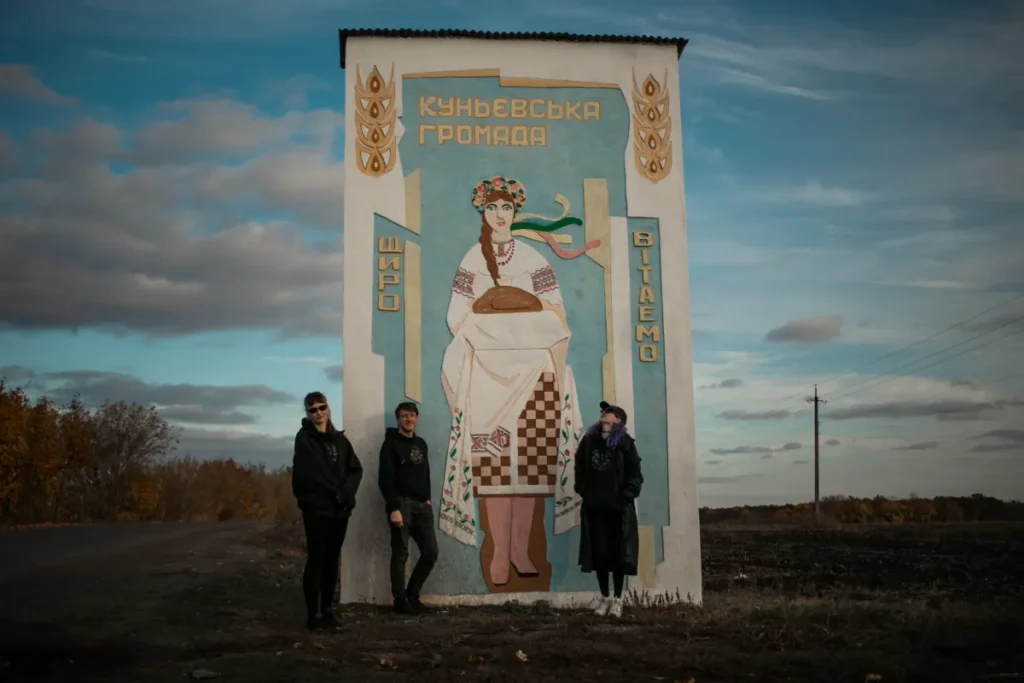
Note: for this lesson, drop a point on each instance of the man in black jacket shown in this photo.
(325, 477)
(404, 481)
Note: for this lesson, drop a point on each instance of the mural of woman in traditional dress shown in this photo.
(515, 415)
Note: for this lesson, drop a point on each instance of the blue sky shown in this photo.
(171, 196)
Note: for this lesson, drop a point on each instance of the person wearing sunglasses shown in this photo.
(325, 477)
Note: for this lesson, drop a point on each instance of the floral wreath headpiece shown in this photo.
(499, 184)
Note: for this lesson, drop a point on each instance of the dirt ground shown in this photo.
(899, 603)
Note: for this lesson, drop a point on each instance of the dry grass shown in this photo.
(786, 603)
(781, 604)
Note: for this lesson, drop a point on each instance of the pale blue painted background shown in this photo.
(451, 226)
(650, 417)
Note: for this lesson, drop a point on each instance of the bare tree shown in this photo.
(128, 439)
(76, 435)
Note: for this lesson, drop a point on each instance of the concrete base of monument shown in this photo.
(557, 600)
(560, 600)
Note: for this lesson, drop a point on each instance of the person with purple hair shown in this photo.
(608, 480)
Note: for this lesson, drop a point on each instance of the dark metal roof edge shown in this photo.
(345, 33)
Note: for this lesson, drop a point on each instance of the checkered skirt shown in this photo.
(535, 467)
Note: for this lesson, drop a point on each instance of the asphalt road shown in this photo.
(79, 600)
(26, 551)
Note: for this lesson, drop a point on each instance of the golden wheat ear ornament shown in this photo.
(375, 117)
(652, 128)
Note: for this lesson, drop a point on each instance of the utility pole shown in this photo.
(817, 506)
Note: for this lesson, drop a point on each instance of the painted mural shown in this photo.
(516, 294)
(509, 387)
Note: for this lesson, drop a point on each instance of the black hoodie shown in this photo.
(404, 469)
(325, 473)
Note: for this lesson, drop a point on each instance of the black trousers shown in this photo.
(418, 523)
(324, 537)
(606, 542)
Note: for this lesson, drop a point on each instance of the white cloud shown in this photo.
(926, 213)
(293, 92)
(178, 403)
(67, 151)
(891, 410)
(805, 59)
(812, 193)
(20, 81)
(244, 446)
(118, 57)
(142, 261)
(218, 126)
(729, 254)
(307, 181)
(333, 372)
(237, 21)
(770, 410)
(956, 56)
(808, 330)
(756, 82)
(724, 364)
(10, 159)
(938, 284)
(731, 383)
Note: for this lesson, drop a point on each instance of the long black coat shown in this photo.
(630, 478)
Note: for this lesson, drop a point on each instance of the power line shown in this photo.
(940, 351)
(787, 400)
(1003, 379)
(936, 334)
(941, 360)
(911, 345)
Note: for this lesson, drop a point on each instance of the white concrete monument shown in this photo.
(515, 253)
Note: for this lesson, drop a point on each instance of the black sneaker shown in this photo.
(416, 607)
(313, 624)
(402, 606)
(328, 621)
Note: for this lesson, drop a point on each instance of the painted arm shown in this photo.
(634, 479)
(557, 309)
(461, 302)
(546, 288)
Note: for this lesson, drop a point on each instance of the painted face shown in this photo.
(407, 421)
(608, 420)
(319, 413)
(499, 215)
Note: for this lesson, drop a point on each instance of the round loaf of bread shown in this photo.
(504, 299)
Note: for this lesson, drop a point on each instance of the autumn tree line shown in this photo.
(69, 463)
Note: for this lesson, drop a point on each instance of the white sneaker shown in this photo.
(615, 608)
(603, 604)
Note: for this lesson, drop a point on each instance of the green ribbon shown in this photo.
(546, 227)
